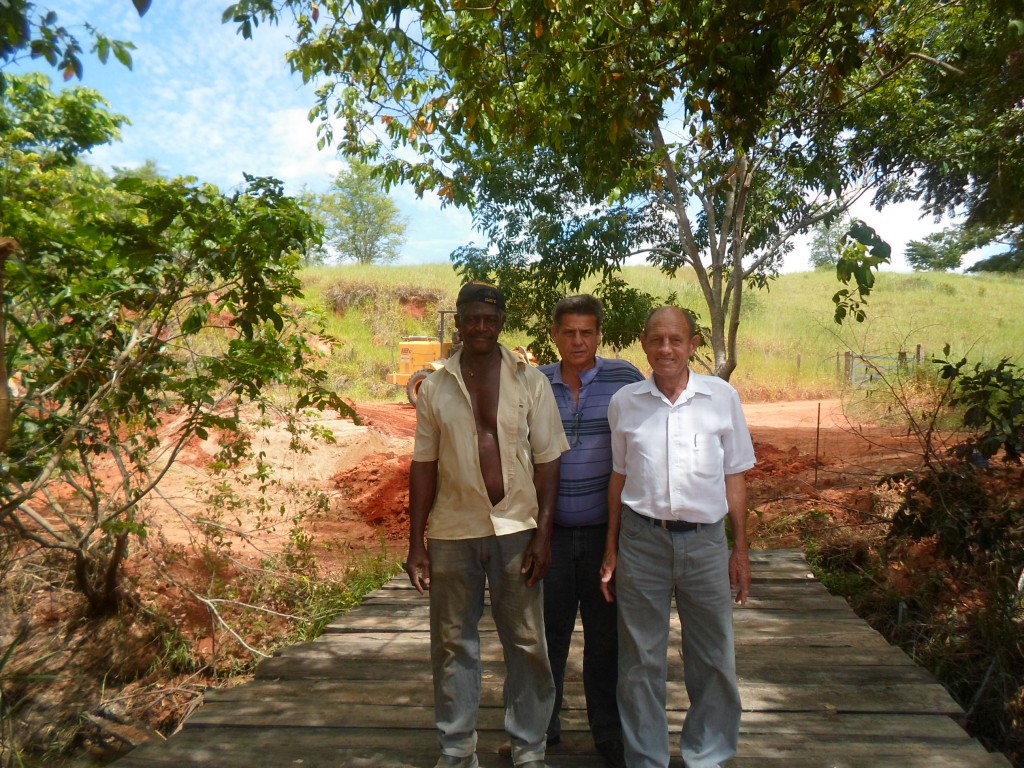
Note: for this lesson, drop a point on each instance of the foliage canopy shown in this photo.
(582, 135)
(135, 314)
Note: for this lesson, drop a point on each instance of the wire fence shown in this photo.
(864, 370)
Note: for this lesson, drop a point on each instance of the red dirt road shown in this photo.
(808, 453)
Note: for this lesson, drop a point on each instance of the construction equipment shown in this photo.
(419, 356)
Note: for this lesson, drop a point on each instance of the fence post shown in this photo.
(848, 363)
(917, 355)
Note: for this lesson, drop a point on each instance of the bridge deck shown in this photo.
(820, 689)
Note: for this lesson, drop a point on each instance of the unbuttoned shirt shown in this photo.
(675, 456)
(585, 469)
(529, 432)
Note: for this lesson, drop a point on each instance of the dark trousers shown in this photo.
(573, 583)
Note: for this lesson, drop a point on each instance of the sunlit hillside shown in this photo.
(789, 345)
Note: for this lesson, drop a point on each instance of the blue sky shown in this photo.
(205, 102)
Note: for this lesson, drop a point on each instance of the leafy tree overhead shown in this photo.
(943, 122)
(694, 133)
(135, 314)
(361, 223)
(27, 29)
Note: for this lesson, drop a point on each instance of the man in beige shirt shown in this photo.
(485, 473)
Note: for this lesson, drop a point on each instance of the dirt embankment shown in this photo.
(804, 448)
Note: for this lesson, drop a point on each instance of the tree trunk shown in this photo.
(105, 597)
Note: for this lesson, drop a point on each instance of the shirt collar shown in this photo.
(585, 378)
(695, 385)
(452, 364)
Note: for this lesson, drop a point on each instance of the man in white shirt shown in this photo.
(680, 448)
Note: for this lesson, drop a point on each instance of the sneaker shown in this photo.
(451, 761)
(532, 764)
(505, 750)
(613, 753)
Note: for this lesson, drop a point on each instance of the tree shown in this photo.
(827, 242)
(361, 223)
(24, 30)
(941, 120)
(704, 124)
(945, 250)
(136, 313)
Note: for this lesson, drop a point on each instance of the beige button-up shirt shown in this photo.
(529, 432)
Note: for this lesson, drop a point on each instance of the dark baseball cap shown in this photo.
(480, 291)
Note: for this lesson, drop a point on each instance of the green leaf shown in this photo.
(122, 52)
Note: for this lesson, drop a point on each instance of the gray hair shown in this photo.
(582, 304)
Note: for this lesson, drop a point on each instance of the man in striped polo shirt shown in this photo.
(583, 384)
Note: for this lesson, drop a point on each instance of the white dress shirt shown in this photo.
(675, 456)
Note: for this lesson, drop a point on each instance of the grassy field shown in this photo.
(789, 346)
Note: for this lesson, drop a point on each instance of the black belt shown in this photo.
(672, 526)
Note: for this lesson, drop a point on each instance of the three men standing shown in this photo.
(485, 472)
(583, 384)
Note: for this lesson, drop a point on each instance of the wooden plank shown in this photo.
(820, 689)
(300, 702)
(377, 747)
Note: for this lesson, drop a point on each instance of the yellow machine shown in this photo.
(419, 356)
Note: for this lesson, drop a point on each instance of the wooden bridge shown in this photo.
(820, 689)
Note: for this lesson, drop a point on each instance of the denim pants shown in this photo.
(574, 583)
(459, 571)
(653, 565)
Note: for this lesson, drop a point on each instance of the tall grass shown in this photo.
(789, 346)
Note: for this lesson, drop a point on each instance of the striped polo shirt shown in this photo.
(583, 487)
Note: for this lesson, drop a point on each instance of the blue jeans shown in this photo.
(459, 571)
(574, 583)
(653, 566)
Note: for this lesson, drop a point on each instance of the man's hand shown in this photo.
(608, 576)
(418, 568)
(537, 558)
(739, 574)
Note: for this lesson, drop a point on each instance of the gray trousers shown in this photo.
(653, 566)
(459, 571)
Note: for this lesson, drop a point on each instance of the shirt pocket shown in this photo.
(708, 455)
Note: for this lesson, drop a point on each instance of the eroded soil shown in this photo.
(332, 502)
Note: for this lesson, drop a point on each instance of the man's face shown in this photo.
(669, 343)
(479, 324)
(577, 337)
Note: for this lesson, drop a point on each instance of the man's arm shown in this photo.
(422, 490)
(611, 545)
(537, 559)
(739, 560)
